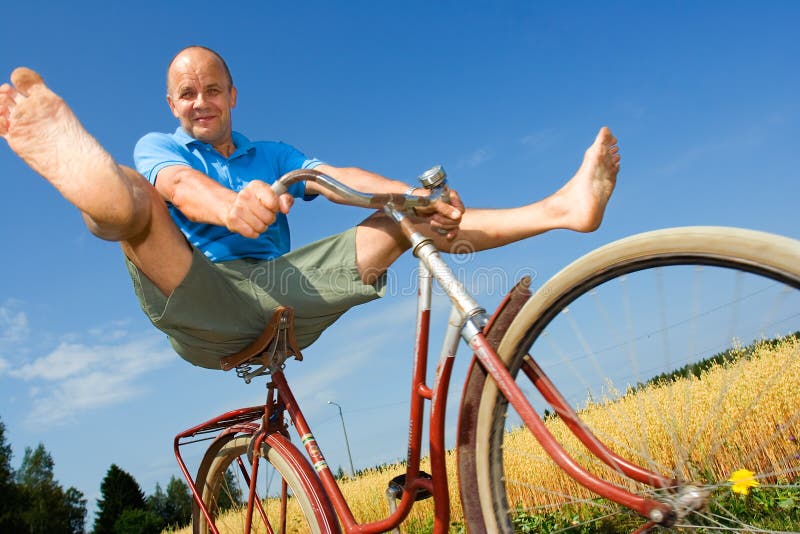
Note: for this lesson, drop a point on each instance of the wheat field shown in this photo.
(722, 401)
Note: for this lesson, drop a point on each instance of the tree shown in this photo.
(47, 507)
(41, 493)
(75, 504)
(119, 491)
(179, 502)
(136, 521)
(175, 506)
(6, 472)
(157, 503)
(340, 474)
(10, 497)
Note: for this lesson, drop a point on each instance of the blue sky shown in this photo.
(505, 95)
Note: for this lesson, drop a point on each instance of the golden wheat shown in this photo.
(650, 425)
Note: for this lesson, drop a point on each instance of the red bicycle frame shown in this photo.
(468, 322)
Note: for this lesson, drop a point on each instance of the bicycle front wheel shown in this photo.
(678, 349)
(290, 492)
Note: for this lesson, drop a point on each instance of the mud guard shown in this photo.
(470, 399)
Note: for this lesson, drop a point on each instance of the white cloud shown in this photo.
(742, 139)
(91, 390)
(375, 331)
(75, 377)
(113, 331)
(477, 157)
(540, 141)
(3, 365)
(13, 323)
(68, 359)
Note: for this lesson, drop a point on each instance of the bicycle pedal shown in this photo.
(397, 487)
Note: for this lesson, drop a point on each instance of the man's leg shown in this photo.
(579, 205)
(117, 203)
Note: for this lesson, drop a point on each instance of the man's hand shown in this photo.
(255, 208)
(444, 218)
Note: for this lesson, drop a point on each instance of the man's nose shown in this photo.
(199, 100)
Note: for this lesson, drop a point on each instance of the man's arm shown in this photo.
(355, 178)
(441, 216)
(201, 199)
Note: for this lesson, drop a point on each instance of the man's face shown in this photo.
(201, 97)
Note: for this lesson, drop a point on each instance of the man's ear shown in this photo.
(233, 97)
(172, 106)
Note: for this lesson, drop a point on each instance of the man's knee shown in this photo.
(379, 242)
(133, 214)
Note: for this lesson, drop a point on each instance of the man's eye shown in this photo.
(213, 92)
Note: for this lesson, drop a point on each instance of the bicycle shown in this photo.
(608, 453)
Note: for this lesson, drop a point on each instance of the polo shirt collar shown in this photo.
(242, 143)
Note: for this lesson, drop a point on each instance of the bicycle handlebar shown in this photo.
(351, 197)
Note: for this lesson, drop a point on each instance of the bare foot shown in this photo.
(581, 203)
(42, 130)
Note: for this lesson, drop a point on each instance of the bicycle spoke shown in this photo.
(683, 365)
(225, 491)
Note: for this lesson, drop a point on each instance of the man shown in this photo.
(206, 239)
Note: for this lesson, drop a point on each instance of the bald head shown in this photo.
(195, 53)
(201, 95)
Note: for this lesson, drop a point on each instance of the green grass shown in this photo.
(773, 510)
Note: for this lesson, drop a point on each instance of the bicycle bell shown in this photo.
(433, 177)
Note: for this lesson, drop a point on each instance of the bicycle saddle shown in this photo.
(274, 345)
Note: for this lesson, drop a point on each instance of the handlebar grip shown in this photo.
(445, 194)
(278, 188)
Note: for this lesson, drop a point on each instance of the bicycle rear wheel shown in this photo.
(679, 351)
(222, 484)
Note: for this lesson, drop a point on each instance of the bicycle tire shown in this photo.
(487, 463)
(289, 464)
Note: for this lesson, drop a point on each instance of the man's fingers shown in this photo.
(452, 210)
(285, 201)
(249, 219)
(447, 218)
(264, 194)
(254, 209)
(455, 201)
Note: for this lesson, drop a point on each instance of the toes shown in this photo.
(601, 135)
(605, 137)
(6, 103)
(24, 79)
(6, 95)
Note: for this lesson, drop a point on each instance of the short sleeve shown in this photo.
(292, 159)
(155, 151)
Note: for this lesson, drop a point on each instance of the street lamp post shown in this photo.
(346, 442)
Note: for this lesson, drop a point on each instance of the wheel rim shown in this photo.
(767, 449)
(300, 515)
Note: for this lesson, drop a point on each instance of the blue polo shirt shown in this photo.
(263, 160)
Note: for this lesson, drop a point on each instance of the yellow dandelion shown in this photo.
(743, 480)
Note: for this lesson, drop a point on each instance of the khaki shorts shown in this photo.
(220, 308)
